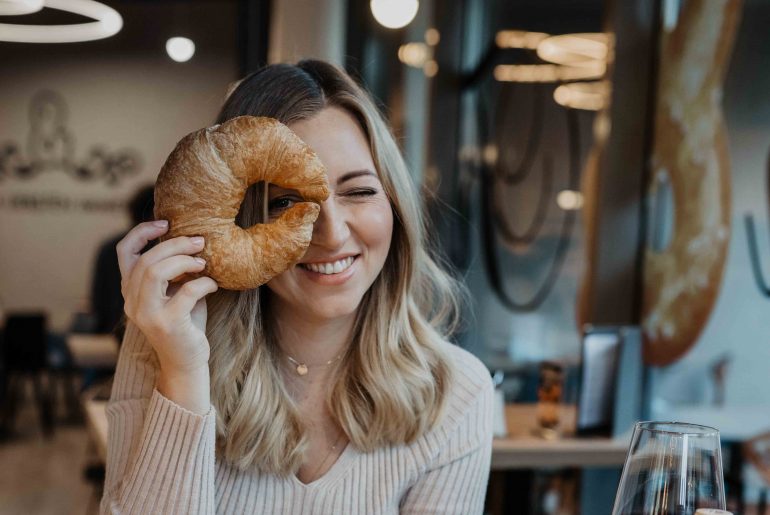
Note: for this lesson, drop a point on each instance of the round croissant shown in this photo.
(202, 184)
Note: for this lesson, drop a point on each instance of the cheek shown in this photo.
(280, 284)
(376, 227)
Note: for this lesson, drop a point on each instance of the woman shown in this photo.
(330, 390)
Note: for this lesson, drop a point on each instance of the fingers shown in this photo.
(134, 241)
(172, 247)
(152, 291)
(181, 245)
(184, 300)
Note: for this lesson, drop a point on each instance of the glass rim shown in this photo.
(698, 430)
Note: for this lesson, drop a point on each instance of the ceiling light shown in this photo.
(432, 37)
(180, 49)
(394, 14)
(108, 23)
(547, 72)
(18, 7)
(414, 54)
(519, 39)
(574, 49)
(430, 69)
(569, 200)
(590, 96)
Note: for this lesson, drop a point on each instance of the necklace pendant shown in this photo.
(302, 369)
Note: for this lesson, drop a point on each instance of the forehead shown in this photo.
(338, 140)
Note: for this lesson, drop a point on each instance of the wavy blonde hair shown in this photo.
(390, 388)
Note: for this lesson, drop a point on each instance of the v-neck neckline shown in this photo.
(334, 472)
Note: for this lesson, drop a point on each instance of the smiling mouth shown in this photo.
(331, 268)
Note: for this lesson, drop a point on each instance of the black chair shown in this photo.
(24, 357)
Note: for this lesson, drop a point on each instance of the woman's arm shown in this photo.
(160, 456)
(455, 482)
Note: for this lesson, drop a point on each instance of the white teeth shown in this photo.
(330, 268)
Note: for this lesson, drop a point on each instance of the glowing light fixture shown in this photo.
(394, 14)
(17, 7)
(107, 23)
(519, 39)
(590, 96)
(431, 68)
(547, 72)
(582, 49)
(570, 57)
(414, 54)
(421, 55)
(432, 37)
(569, 200)
(180, 49)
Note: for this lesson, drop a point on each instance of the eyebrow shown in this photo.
(356, 173)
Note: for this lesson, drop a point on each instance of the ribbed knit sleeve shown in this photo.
(160, 456)
(456, 475)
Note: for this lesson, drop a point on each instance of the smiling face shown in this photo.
(352, 235)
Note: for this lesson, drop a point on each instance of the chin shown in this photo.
(331, 310)
(317, 304)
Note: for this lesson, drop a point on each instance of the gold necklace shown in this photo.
(302, 368)
(333, 448)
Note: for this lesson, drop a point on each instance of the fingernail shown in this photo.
(197, 240)
(161, 223)
(200, 261)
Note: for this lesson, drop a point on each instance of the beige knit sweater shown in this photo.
(161, 457)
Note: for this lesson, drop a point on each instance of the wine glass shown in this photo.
(672, 468)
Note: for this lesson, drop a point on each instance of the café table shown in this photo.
(736, 424)
(516, 456)
(96, 423)
(521, 450)
(93, 350)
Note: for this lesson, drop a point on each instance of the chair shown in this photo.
(24, 356)
(757, 452)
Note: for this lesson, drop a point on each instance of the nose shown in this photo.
(331, 229)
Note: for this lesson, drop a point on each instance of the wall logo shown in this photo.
(51, 149)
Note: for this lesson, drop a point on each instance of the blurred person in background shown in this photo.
(106, 297)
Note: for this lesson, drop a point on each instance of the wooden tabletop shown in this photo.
(93, 350)
(521, 450)
(96, 422)
(524, 449)
(736, 423)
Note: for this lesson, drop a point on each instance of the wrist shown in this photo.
(181, 370)
(189, 388)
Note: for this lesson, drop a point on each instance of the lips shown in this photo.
(330, 267)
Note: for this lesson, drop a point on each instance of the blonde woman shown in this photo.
(332, 389)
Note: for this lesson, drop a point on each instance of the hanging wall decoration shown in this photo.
(50, 148)
(683, 276)
(565, 62)
(756, 262)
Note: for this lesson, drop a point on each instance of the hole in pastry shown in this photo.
(250, 212)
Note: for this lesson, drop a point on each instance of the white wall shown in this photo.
(301, 29)
(118, 96)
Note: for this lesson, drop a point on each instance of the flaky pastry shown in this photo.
(202, 184)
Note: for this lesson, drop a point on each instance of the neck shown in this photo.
(312, 341)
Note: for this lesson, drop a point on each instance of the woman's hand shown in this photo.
(171, 316)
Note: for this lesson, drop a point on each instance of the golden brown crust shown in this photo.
(202, 184)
